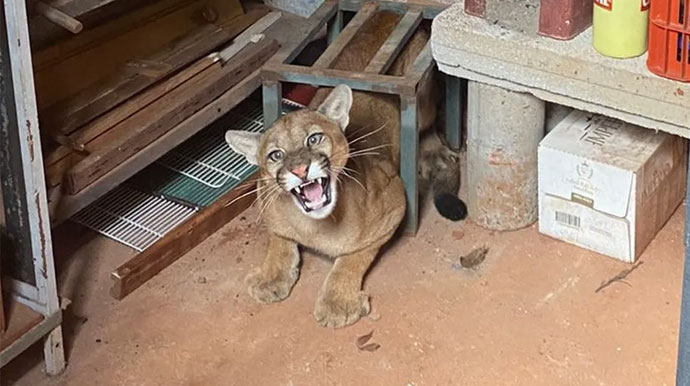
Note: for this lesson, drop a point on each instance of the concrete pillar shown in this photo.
(504, 130)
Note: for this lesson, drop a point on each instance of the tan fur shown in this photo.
(370, 196)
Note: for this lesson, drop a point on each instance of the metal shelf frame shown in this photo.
(24, 193)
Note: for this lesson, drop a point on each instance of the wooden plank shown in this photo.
(57, 167)
(20, 319)
(90, 13)
(150, 262)
(328, 77)
(133, 134)
(295, 33)
(423, 62)
(58, 17)
(395, 43)
(245, 37)
(134, 77)
(70, 74)
(292, 32)
(69, 205)
(431, 8)
(96, 127)
(334, 49)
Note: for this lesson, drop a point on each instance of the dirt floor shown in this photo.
(528, 315)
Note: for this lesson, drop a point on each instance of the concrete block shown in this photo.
(569, 73)
(503, 134)
(519, 15)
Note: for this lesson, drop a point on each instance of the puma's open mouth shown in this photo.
(314, 194)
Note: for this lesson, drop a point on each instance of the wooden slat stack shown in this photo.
(109, 91)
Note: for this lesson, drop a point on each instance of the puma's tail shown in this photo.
(445, 186)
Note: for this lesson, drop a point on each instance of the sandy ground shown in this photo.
(528, 315)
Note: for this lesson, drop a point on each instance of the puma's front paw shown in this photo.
(338, 310)
(269, 289)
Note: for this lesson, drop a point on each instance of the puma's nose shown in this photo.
(300, 171)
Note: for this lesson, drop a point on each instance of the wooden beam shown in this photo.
(334, 49)
(423, 64)
(70, 205)
(301, 31)
(395, 42)
(292, 32)
(96, 127)
(151, 261)
(386, 84)
(137, 75)
(58, 17)
(247, 35)
(142, 128)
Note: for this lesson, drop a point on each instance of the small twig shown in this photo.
(621, 275)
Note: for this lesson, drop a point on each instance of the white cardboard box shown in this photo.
(608, 186)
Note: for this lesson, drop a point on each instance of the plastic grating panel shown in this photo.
(208, 159)
(133, 218)
(204, 168)
(191, 176)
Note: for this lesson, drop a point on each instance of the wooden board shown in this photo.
(136, 132)
(138, 74)
(334, 49)
(56, 154)
(61, 76)
(394, 44)
(20, 319)
(90, 13)
(181, 240)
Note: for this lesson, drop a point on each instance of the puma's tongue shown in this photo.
(313, 191)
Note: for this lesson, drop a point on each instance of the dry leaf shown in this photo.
(474, 258)
(371, 347)
(362, 340)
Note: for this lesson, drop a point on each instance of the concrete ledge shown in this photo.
(570, 73)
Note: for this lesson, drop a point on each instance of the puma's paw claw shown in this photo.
(341, 310)
(268, 290)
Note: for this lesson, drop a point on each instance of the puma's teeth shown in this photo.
(298, 190)
(319, 180)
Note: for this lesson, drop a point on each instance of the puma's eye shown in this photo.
(314, 139)
(275, 155)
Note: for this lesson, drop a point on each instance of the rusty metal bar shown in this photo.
(327, 77)
(395, 42)
(333, 50)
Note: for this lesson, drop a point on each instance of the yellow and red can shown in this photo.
(619, 27)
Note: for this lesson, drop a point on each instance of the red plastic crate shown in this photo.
(669, 39)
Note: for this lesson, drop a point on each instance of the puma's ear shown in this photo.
(245, 143)
(337, 105)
